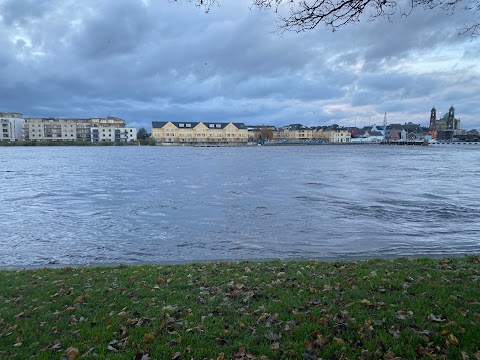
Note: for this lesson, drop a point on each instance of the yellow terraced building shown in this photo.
(192, 133)
(295, 132)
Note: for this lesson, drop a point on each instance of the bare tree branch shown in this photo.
(303, 15)
(206, 4)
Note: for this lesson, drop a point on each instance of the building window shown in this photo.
(188, 125)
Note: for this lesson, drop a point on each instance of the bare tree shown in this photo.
(206, 4)
(266, 133)
(303, 15)
(307, 14)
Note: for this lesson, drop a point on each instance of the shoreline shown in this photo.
(239, 145)
(236, 261)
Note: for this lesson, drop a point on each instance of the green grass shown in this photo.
(369, 309)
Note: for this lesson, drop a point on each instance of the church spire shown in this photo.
(433, 118)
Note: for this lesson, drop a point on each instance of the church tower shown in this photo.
(451, 118)
(433, 118)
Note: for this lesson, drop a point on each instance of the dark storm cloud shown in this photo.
(118, 28)
(150, 60)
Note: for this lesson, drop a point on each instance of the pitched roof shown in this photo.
(297, 127)
(184, 124)
(212, 125)
(240, 125)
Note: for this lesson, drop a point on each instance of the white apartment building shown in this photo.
(11, 126)
(113, 134)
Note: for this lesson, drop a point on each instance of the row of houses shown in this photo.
(445, 128)
(196, 133)
(299, 132)
(339, 134)
(187, 133)
(368, 134)
(15, 127)
(191, 133)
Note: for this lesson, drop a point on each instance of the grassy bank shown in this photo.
(371, 309)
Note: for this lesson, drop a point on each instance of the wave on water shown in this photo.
(307, 202)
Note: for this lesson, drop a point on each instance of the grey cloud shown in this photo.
(170, 61)
(116, 28)
(19, 12)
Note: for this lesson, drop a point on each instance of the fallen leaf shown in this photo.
(147, 338)
(88, 352)
(275, 346)
(436, 318)
(111, 348)
(395, 333)
(220, 341)
(57, 346)
(452, 339)
(366, 302)
(271, 336)
(389, 356)
(403, 314)
(72, 353)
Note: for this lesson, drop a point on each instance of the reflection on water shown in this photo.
(77, 205)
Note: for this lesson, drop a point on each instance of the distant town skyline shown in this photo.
(149, 61)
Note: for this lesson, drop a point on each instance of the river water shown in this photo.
(107, 205)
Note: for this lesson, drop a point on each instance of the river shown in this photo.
(110, 205)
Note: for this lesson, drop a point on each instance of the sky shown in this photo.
(157, 60)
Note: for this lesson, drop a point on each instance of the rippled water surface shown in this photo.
(93, 205)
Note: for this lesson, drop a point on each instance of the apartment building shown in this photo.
(52, 129)
(11, 126)
(69, 129)
(295, 132)
(335, 134)
(111, 133)
(192, 133)
(109, 121)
